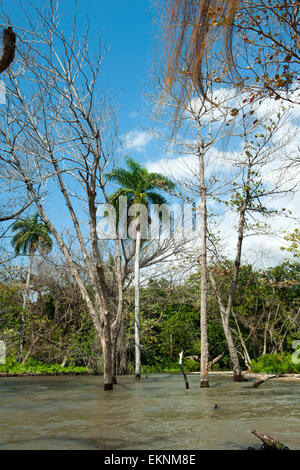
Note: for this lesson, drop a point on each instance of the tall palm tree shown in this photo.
(140, 187)
(31, 235)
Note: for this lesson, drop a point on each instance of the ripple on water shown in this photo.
(157, 413)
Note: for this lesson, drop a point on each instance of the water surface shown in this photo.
(157, 413)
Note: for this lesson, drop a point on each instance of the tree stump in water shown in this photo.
(183, 371)
(269, 442)
(239, 378)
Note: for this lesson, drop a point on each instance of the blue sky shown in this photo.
(128, 29)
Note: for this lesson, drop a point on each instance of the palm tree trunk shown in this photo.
(137, 305)
(22, 319)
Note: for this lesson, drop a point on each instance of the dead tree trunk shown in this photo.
(269, 442)
(183, 371)
(8, 48)
(215, 360)
(211, 363)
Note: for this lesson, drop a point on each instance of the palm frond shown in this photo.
(156, 198)
(122, 177)
(31, 235)
(159, 181)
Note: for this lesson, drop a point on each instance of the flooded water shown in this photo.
(157, 413)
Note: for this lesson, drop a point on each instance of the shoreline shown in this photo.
(251, 375)
(43, 374)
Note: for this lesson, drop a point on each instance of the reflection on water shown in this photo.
(157, 413)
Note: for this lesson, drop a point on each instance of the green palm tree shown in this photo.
(31, 235)
(140, 187)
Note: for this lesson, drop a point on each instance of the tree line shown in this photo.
(59, 330)
(59, 142)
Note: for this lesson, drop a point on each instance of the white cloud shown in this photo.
(174, 167)
(263, 249)
(136, 140)
(134, 114)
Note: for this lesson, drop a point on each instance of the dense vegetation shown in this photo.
(60, 336)
(83, 305)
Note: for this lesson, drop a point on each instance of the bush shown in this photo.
(275, 363)
(34, 366)
(191, 366)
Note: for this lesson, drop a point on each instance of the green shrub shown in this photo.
(275, 363)
(191, 366)
(34, 366)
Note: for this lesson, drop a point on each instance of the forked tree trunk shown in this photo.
(247, 358)
(137, 306)
(30, 350)
(236, 368)
(227, 311)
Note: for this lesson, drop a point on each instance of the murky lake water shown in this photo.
(157, 413)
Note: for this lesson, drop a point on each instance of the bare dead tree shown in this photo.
(247, 200)
(63, 132)
(202, 129)
(58, 138)
(234, 113)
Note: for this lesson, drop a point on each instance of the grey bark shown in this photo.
(204, 383)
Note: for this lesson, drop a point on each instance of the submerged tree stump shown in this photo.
(187, 385)
(269, 442)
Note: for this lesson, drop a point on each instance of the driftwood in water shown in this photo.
(269, 442)
(258, 382)
(183, 371)
(8, 48)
